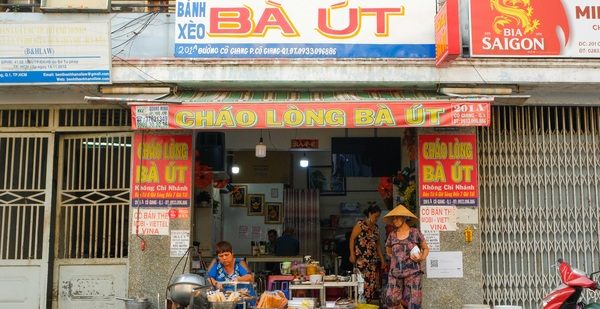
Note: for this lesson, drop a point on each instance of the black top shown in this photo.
(287, 245)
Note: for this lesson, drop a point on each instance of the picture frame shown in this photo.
(256, 204)
(273, 213)
(239, 196)
(321, 178)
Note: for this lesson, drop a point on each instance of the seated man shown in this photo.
(287, 244)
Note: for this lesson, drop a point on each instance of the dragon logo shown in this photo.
(516, 13)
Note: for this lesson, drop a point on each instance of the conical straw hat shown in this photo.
(398, 211)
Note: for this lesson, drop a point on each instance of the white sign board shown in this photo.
(55, 53)
(150, 222)
(467, 215)
(433, 240)
(438, 218)
(445, 265)
(180, 242)
(304, 29)
(243, 231)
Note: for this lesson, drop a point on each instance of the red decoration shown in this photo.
(386, 187)
(203, 176)
(235, 190)
(220, 184)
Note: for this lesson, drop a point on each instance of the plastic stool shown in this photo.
(285, 289)
(272, 286)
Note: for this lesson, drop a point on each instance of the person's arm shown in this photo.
(388, 245)
(424, 249)
(245, 274)
(212, 273)
(388, 251)
(355, 232)
(380, 253)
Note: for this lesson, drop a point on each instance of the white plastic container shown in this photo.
(316, 279)
(507, 307)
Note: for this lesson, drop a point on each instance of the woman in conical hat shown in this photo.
(407, 248)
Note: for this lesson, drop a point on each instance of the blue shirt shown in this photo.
(218, 273)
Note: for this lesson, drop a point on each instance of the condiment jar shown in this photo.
(312, 268)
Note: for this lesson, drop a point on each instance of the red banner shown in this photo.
(162, 173)
(448, 170)
(534, 28)
(447, 34)
(317, 115)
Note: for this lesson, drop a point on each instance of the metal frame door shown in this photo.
(539, 169)
(92, 220)
(25, 211)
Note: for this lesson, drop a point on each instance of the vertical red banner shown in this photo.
(162, 170)
(447, 34)
(448, 170)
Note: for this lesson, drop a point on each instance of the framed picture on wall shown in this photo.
(239, 196)
(321, 177)
(256, 204)
(273, 213)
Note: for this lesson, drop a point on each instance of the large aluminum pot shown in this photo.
(182, 286)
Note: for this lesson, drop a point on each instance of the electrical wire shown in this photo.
(138, 69)
(185, 255)
(135, 32)
(270, 140)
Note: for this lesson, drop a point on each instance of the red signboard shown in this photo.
(534, 28)
(314, 115)
(305, 144)
(447, 34)
(448, 169)
(162, 174)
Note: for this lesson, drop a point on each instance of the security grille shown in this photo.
(93, 210)
(23, 196)
(94, 118)
(24, 118)
(539, 185)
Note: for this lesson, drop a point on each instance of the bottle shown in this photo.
(468, 234)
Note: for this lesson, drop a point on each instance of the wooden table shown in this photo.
(252, 260)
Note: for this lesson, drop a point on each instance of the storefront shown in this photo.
(165, 138)
(67, 190)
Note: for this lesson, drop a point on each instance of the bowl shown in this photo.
(415, 251)
(343, 278)
(296, 281)
(137, 303)
(345, 303)
(330, 278)
(181, 288)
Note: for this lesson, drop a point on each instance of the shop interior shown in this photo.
(348, 166)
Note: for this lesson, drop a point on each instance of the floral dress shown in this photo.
(218, 273)
(365, 250)
(404, 279)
